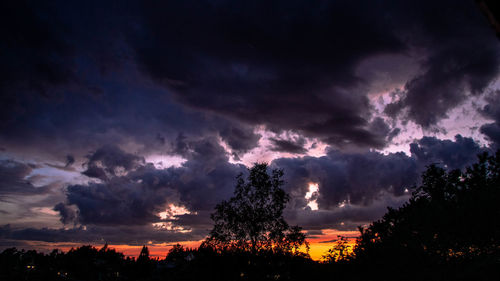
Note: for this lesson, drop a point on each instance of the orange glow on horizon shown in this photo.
(319, 245)
(155, 250)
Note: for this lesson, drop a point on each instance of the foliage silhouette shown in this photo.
(252, 219)
(177, 254)
(451, 221)
(341, 252)
(143, 255)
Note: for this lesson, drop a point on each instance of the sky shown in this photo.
(126, 122)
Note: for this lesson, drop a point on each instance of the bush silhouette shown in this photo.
(341, 252)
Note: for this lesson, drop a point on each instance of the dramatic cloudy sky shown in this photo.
(127, 122)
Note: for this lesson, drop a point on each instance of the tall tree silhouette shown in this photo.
(144, 265)
(253, 218)
(144, 254)
(451, 218)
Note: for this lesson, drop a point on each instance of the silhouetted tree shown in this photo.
(176, 250)
(144, 254)
(452, 218)
(177, 254)
(253, 218)
(341, 252)
(144, 265)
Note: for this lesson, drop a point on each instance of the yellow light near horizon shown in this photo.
(322, 243)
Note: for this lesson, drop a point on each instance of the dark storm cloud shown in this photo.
(206, 178)
(461, 57)
(69, 84)
(354, 188)
(348, 217)
(365, 183)
(240, 139)
(452, 154)
(138, 194)
(46, 48)
(358, 178)
(291, 65)
(395, 132)
(288, 65)
(136, 235)
(203, 152)
(200, 221)
(70, 160)
(68, 215)
(118, 201)
(106, 161)
(35, 55)
(15, 179)
(492, 132)
(295, 146)
(492, 111)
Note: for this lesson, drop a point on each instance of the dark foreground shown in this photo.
(88, 263)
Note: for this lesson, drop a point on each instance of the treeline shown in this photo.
(448, 230)
(90, 263)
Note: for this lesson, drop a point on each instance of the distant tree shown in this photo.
(144, 254)
(340, 252)
(253, 218)
(176, 254)
(294, 240)
(144, 265)
(451, 217)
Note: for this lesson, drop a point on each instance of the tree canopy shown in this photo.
(451, 217)
(253, 218)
